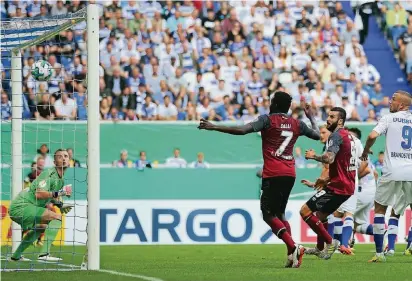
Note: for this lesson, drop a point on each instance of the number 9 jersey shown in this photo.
(397, 127)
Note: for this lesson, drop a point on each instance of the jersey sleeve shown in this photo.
(308, 132)
(261, 123)
(334, 142)
(382, 126)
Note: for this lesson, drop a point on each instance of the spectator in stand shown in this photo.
(73, 163)
(65, 108)
(5, 107)
(148, 111)
(167, 111)
(379, 162)
(176, 49)
(405, 46)
(124, 161)
(43, 152)
(396, 21)
(142, 162)
(37, 168)
(45, 110)
(176, 161)
(364, 108)
(200, 162)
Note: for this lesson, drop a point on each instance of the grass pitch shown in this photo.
(218, 263)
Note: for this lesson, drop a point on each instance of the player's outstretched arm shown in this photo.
(368, 145)
(309, 114)
(233, 130)
(256, 126)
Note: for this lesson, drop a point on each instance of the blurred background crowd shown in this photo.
(186, 60)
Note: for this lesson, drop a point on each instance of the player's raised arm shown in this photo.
(312, 133)
(258, 125)
(380, 129)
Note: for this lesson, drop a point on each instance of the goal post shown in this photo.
(16, 36)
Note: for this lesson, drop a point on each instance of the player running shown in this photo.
(339, 187)
(31, 208)
(279, 134)
(395, 185)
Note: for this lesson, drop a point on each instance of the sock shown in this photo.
(50, 234)
(331, 224)
(392, 232)
(279, 229)
(409, 238)
(320, 242)
(287, 225)
(338, 230)
(26, 242)
(378, 231)
(365, 229)
(347, 231)
(317, 226)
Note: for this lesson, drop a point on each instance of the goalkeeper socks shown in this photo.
(320, 242)
(317, 226)
(287, 225)
(50, 234)
(347, 231)
(28, 240)
(392, 232)
(379, 231)
(279, 229)
(409, 238)
(331, 224)
(337, 233)
(365, 229)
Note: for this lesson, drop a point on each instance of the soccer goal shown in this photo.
(32, 130)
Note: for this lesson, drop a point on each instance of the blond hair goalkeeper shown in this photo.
(30, 208)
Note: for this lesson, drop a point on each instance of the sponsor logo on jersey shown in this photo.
(42, 183)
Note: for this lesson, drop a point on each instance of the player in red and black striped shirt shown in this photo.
(341, 156)
(279, 134)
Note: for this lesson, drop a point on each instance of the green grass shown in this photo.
(224, 263)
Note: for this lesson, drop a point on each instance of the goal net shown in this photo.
(38, 118)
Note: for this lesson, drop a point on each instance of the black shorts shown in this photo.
(326, 201)
(275, 194)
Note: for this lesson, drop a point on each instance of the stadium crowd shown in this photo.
(186, 60)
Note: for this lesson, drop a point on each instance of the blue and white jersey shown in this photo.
(397, 127)
(255, 87)
(368, 182)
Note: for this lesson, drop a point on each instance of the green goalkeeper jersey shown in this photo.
(48, 180)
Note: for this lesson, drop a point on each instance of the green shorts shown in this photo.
(27, 215)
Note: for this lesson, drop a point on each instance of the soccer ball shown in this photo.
(41, 70)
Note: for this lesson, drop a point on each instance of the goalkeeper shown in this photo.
(31, 208)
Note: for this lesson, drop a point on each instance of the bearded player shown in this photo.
(31, 209)
(279, 134)
(339, 186)
(395, 185)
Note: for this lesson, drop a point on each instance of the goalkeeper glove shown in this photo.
(65, 191)
(66, 208)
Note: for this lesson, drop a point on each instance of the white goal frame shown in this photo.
(93, 131)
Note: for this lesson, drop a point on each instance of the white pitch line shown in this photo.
(148, 278)
(36, 269)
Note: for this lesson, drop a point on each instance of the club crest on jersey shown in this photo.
(330, 143)
(285, 126)
(42, 183)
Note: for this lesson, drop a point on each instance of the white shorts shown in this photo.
(363, 206)
(397, 194)
(348, 206)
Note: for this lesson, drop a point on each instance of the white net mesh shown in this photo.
(53, 117)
